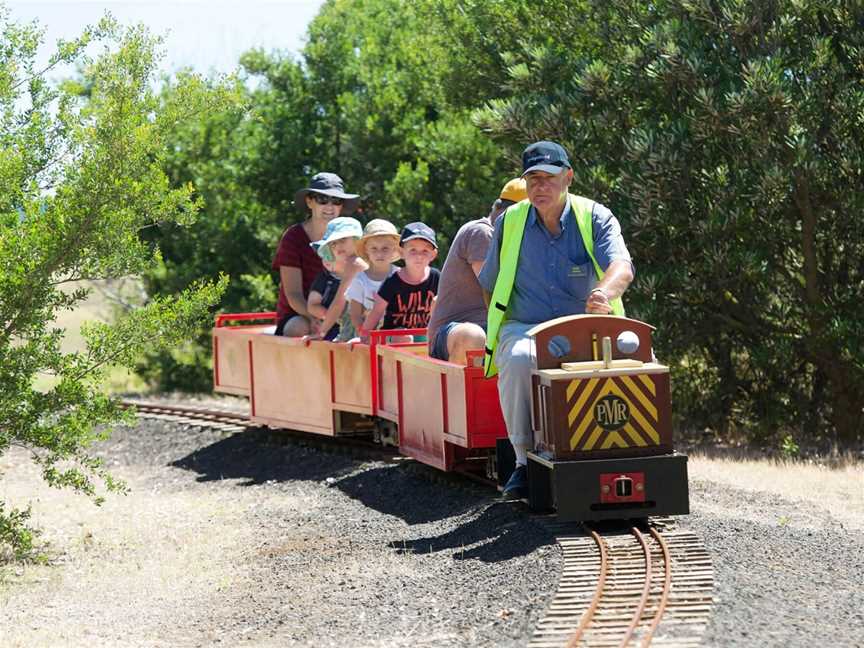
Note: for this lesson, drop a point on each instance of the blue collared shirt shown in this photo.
(555, 275)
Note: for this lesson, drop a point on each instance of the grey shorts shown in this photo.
(438, 349)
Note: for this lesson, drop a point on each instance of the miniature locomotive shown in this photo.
(601, 413)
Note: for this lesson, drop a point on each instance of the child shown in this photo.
(379, 247)
(327, 294)
(405, 299)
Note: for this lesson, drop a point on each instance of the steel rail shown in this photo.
(191, 411)
(588, 616)
(235, 421)
(594, 610)
(667, 588)
(646, 590)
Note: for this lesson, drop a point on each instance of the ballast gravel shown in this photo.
(374, 551)
(359, 552)
(786, 574)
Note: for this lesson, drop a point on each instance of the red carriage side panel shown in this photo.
(484, 420)
(445, 410)
(424, 414)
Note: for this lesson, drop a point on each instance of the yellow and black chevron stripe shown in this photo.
(615, 412)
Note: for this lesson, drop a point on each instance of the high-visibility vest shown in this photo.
(515, 219)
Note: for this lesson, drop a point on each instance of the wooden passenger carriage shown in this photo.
(443, 413)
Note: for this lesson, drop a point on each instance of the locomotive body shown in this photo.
(596, 426)
(601, 413)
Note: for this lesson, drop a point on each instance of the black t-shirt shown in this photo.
(408, 305)
(327, 284)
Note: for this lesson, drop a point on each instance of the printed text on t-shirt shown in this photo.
(413, 313)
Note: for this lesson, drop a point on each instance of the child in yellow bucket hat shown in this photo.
(379, 247)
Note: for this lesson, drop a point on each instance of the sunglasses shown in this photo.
(321, 199)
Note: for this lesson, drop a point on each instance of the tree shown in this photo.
(387, 123)
(80, 177)
(727, 136)
(365, 100)
(245, 167)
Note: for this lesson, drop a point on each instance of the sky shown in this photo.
(207, 36)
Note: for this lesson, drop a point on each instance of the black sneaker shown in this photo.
(517, 486)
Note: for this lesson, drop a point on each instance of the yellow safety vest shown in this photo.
(516, 217)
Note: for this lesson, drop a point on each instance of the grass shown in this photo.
(837, 488)
(97, 307)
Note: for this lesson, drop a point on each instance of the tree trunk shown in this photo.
(845, 392)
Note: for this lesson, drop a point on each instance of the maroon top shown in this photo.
(295, 251)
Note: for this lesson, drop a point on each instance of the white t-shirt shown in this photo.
(363, 289)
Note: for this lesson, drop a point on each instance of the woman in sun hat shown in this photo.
(296, 261)
(379, 247)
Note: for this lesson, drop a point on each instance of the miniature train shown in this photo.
(601, 407)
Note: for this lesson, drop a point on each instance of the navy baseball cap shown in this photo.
(545, 156)
(418, 231)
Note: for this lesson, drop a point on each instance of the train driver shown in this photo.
(458, 322)
(296, 261)
(557, 254)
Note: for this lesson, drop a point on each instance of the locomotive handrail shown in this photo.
(223, 318)
(380, 337)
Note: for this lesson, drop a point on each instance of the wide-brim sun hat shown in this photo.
(339, 228)
(378, 227)
(328, 184)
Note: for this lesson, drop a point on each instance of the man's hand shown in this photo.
(598, 303)
(315, 327)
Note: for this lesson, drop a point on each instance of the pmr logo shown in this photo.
(611, 412)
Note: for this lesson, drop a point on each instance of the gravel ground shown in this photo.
(786, 574)
(347, 551)
(381, 553)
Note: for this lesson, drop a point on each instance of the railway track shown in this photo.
(628, 586)
(635, 586)
(224, 419)
(230, 420)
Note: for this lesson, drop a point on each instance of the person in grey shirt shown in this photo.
(555, 276)
(458, 322)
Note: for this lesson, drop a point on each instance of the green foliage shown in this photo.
(384, 119)
(80, 178)
(789, 447)
(17, 539)
(727, 137)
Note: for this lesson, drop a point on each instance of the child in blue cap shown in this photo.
(327, 300)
